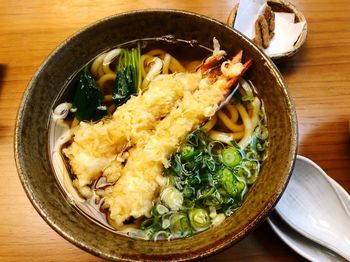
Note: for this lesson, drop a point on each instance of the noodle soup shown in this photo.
(152, 143)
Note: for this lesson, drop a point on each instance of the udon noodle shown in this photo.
(154, 147)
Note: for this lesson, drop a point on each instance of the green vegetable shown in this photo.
(151, 226)
(161, 235)
(253, 143)
(198, 139)
(231, 157)
(215, 199)
(88, 98)
(261, 132)
(187, 153)
(161, 209)
(188, 191)
(128, 79)
(148, 223)
(194, 180)
(210, 163)
(199, 219)
(180, 225)
(207, 178)
(218, 219)
(248, 98)
(260, 147)
(228, 182)
(204, 176)
(237, 98)
(172, 198)
(250, 170)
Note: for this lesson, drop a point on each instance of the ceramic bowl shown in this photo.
(280, 6)
(31, 138)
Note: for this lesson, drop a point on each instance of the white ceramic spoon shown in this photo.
(317, 207)
(300, 244)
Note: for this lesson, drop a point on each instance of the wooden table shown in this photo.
(318, 78)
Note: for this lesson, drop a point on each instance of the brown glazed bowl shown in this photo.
(280, 6)
(31, 138)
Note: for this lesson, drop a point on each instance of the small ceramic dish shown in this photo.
(280, 6)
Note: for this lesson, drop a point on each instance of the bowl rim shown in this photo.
(224, 243)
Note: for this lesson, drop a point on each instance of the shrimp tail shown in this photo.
(237, 58)
(235, 78)
(212, 62)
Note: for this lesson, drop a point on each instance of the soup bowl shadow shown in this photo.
(31, 135)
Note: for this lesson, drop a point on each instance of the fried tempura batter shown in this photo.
(141, 178)
(94, 146)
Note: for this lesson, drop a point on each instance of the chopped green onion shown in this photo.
(187, 153)
(204, 193)
(188, 204)
(160, 235)
(148, 223)
(253, 143)
(228, 182)
(151, 231)
(250, 170)
(252, 154)
(188, 191)
(242, 186)
(210, 163)
(165, 223)
(261, 132)
(232, 184)
(199, 219)
(172, 198)
(161, 209)
(260, 147)
(212, 212)
(207, 178)
(198, 139)
(248, 98)
(189, 167)
(194, 180)
(218, 219)
(231, 157)
(207, 182)
(180, 225)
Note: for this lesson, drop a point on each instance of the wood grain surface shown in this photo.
(318, 78)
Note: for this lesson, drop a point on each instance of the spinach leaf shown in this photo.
(124, 87)
(88, 98)
(128, 76)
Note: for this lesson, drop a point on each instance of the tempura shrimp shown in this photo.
(95, 145)
(141, 178)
